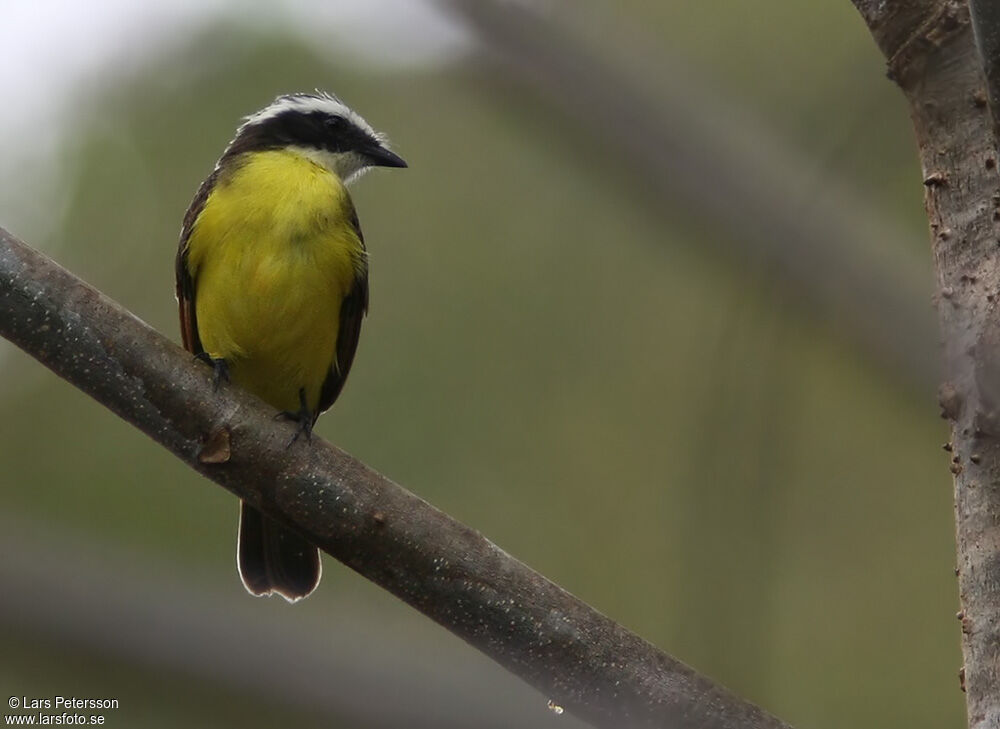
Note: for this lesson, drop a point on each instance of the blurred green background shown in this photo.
(609, 386)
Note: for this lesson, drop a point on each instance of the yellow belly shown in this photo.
(273, 254)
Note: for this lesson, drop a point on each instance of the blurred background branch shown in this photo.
(70, 596)
(587, 663)
(986, 25)
(680, 147)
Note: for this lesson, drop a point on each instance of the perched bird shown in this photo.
(272, 283)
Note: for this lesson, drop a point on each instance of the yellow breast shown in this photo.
(272, 255)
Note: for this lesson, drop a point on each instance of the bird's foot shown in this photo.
(220, 368)
(303, 416)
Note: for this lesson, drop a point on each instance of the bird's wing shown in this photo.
(352, 311)
(185, 282)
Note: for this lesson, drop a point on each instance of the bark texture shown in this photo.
(932, 55)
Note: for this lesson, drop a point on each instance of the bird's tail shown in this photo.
(273, 559)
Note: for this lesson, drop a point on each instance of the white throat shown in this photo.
(348, 166)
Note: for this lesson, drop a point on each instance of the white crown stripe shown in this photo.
(306, 103)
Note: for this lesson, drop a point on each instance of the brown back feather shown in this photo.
(185, 284)
(352, 310)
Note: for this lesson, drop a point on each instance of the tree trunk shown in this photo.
(932, 55)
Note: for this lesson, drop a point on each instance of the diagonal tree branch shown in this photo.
(584, 661)
(931, 54)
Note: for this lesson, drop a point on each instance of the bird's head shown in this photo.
(320, 127)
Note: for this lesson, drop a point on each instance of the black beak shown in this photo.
(382, 157)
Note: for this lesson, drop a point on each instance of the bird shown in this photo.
(272, 286)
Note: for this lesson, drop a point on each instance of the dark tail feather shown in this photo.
(274, 560)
